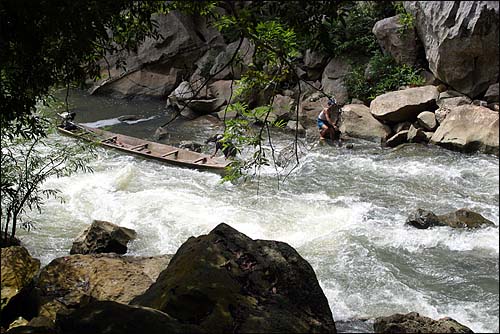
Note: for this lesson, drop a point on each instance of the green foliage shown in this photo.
(350, 33)
(47, 44)
(385, 75)
(26, 165)
(240, 134)
(406, 19)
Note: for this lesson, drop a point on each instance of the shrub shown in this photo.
(381, 75)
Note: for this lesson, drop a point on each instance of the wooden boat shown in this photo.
(148, 149)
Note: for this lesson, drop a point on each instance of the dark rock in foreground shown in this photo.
(103, 237)
(415, 323)
(226, 282)
(115, 318)
(19, 270)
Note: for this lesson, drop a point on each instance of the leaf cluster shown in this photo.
(48, 43)
(26, 165)
(382, 74)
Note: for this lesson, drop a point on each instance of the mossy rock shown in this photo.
(227, 282)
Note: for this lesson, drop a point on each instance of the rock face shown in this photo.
(460, 40)
(405, 104)
(357, 121)
(402, 47)
(18, 271)
(332, 80)
(115, 318)
(103, 237)
(469, 128)
(72, 281)
(158, 65)
(227, 282)
(415, 323)
(491, 94)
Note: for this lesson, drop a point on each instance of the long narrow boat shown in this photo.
(148, 149)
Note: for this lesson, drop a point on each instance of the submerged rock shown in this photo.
(415, 323)
(462, 218)
(103, 237)
(423, 219)
(227, 282)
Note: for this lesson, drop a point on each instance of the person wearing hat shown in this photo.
(327, 127)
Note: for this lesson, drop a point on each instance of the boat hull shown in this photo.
(148, 149)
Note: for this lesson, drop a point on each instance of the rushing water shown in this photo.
(342, 209)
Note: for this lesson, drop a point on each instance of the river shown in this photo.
(342, 209)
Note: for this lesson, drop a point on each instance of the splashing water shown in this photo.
(343, 210)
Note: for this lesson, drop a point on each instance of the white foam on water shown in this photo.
(103, 123)
(140, 120)
(340, 234)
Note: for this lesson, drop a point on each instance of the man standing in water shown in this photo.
(327, 122)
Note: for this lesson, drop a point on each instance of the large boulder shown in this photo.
(145, 81)
(460, 40)
(332, 80)
(309, 110)
(492, 93)
(220, 69)
(227, 282)
(469, 128)
(103, 237)
(284, 107)
(114, 318)
(403, 105)
(415, 323)
(72, 281)
(314, 62)
(358, 122)
(402, 47)
(18, 272)
(224, 89)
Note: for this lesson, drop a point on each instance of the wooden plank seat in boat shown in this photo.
(202, 160)
(110, 139)
(139, 147)
(175, 152)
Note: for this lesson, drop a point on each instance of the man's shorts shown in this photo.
(323, 122)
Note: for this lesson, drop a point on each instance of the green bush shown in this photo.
(384, 75)
(351, 32)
